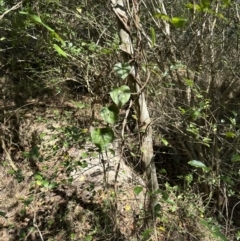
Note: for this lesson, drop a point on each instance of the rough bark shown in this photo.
(127, 18)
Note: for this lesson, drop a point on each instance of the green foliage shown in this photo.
(215, 230)
(122, 70)
(199, 164)
(57, 53)
(102, 137)
(235, 158)
(110, 114)
(153, 36)
(178, 22)
(138, 190)
(120, 95)
(44, 182)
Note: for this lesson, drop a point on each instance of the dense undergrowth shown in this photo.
(56, 72)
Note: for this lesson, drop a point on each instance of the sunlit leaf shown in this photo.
(37, 19)
(164, 141)
(121, 95)
(128, 207)
(195, 163)
(198, 164)
(206, 141)
(161, 228)
(39, 182)
(102, 137)
(79, 10)
(230, 134)
(38, 177)
(178, 22)
(110, 114)
(60, 51)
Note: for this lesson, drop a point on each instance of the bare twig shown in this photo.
(18, 5)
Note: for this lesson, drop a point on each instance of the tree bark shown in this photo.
(126, 15)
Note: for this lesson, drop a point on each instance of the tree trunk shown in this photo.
(126, 14)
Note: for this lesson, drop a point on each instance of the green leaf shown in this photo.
(230, 134)
(28, 201)
(227, 180)
(198, 164)
(206, 141)
(39, 182)
(58, 37)
(88, 238)
(235, 158)
(110, 114)
(178, 22)
(52, 185)
(194, 6)
(45, 183)
(137, 190)
(38, 177)
(121, 95)
(37, 19)
(205, 4)
(3, 214)
(226, 2)
(164, 141)
(122, 70)
(213, 229)
(101, 137)
(165, 195)
(146, 234)
(162, 16)
(157, 208)
(60, 51)
(153, 36)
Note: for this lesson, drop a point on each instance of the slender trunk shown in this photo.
(125, 15)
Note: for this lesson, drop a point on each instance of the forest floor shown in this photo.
(53, 183)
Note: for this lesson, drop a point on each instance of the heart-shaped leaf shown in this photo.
(121, 95)
(102, 137)
(122, 70)
(110, 114)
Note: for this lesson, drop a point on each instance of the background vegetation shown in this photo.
(58, 70)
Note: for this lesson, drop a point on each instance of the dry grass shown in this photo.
(52, 150)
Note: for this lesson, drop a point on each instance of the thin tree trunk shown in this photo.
(125, 15)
